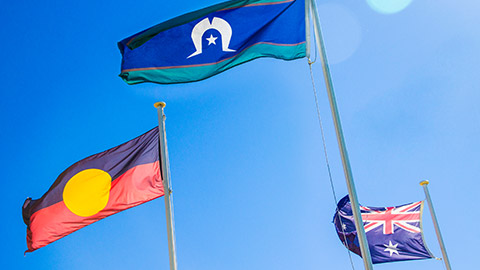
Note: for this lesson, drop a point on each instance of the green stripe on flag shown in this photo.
(140, 39)
(168, 75)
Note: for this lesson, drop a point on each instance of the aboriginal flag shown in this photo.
(94, 188)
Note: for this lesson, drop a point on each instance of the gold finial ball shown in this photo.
(160, 104)
(424, 182)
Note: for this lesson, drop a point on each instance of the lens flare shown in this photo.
(342, 32)
(388, 6)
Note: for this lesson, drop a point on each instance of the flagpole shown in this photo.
(166, 184)
(362, 239)
(307, 28)
(424, 184)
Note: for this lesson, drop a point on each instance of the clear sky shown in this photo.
(251, 189)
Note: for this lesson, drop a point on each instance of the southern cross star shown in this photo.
(212, 39)
(391, 248)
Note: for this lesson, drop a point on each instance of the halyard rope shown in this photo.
(326, 158)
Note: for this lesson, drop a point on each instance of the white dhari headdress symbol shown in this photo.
(218, 24)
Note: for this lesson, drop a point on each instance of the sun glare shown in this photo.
(388, 6)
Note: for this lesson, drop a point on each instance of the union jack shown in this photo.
(406, 217)
(393, 233)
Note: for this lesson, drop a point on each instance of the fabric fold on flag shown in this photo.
(203, 43)
(94, 188)
(393, 233)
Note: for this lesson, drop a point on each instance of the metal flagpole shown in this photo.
(166, 184)
(424, 184)
(307, 28)
(362, 239)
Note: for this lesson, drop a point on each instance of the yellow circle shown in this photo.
(87, 192)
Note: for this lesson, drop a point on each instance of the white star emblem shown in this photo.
(344, 227)
(211, 40)
(391, 248)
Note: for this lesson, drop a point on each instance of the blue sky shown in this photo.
(251, 189)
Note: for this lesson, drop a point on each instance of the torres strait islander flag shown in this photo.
(393, 233)
(203, 43)
(94, 188)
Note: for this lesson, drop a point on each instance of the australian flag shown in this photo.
(393, 233)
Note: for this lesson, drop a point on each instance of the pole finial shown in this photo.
(424, 182)
(160, 104)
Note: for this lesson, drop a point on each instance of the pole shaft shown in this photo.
(166, 185)
(367, 260)
(424, 184)
(307, 28)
